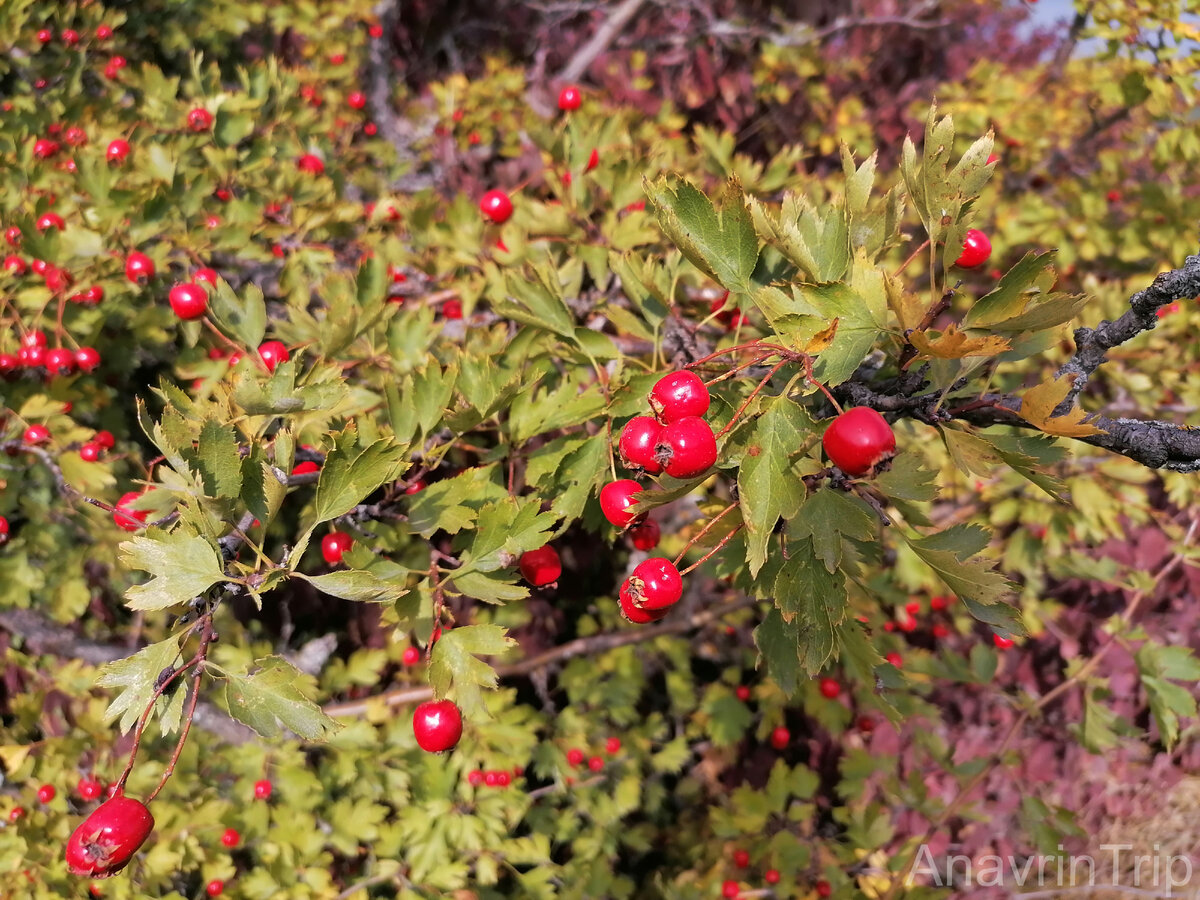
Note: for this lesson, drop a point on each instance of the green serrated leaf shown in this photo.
(269, 700)
(181, 565)
(454, 663)
(359, 585)
(218, 460)
(133, 680)
(825, 516)
(351, 472)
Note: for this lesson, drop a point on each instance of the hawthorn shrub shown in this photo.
(489, 491)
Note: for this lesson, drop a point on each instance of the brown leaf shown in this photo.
(1037, 408)
(955, 344)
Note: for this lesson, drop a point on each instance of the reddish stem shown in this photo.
(741, 409)
(702, 532)
(713, 552)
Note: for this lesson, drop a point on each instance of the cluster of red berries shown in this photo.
(493, 777)
(33, 354)
(577, 758)
(730, 888)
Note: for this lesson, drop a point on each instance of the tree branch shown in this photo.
(599, 42)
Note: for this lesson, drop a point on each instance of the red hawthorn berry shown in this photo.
(940, 631)
(206, 276)
(35, 435)
(3, 530)
(57, 279)
(139, 268)
(858, 440)
(780, 738)
(87, 359)
(1001, 642)
(311, 163)
(475, 778)
(503, 779)
(771, 876)
(939, 602)
(645, 536)
(593, 160)
(32, 357)
(823, 888)
(976, 250)
(215, 888)
(687, 447)
(12, 234)
(272, 353)
(8, 363)
(1113, 196)
(908, 624)
(730, 890)
(199, 119)
(612, 746)
(107, 839)
(889, 625)
(129, 519)
(118, 151)
(89, 788)
(305, 468)
(14, 265)
(570, 98)
(411, 656)
(496, 205)
(16, 813)
(356, 100)
(491, 778)
(70, 37)
(93, 295)
(375, 30)
(830, 688)
(45, 35)
(46, 793)
(742, 692)
(262, 789)
(912, 607)
(575, 757)
(75, 136)
(437, 725)
(45, 148)
(369, 129)
(635, 614)
(35, 338)
(895, 659)
(50, 220)
(231, 838)
(416, 487)
(654, 585)
(59, 361)
(617, 503)
(637, 443)
(452, 309)
(541, 567)
(188, 300)
(678, 395)
(595, 763)
(334, 545)
(103, 32)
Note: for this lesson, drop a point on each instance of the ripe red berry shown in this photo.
(139, 268)
(823, 888)
(45, 148)
(16, 813)
(231, 838)
(1002, 642)
(411, 656)
(188, 300)
(50, 220)
(70, 37)
(103, 32)
(89, 788)
(595, 763)
(452, 309)
(356, 99)
(593, 160)
(612, 746)
(3, 530)
(46, 793)
(117, 151)
(272, 353)
(262, 789)
(542, 566)
(199, 119)
(646, 535)
(306, 467)
(678, 395)
(866, 724)
(310, 163)
(35, 338)
(375, 30)
(654, 585)
(31, 357)
(45, 35)
(730, 890)
(93, 295)
(687, 447)
(940, 631)
(334, 545)
(569, 98)
(503, 779)
(107, 839)
(75, 136)
(59, 361)
(35, 435)
(491, 778)
(496, 205)
(617, 503)
(976, 250)
(830, 688)
(895, 659)
(87, 358)
(575, 757)
(12, 235)
(637, 444)
(437, 725)
(104, 440)
(215, 888)
(14, 265)
(858, 440)
(57, 280)
(475, 778)
(129, 519)
(780, 738)
(771, 876)
(908, 624)
(742, 692)
(939, 602)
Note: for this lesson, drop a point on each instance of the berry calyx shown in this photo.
(272, 353)
(635, 614)
(35, 435)
(541, 567)
(687, 447)
(679, 395)
(118, 151)
(859, 440)
(617, 503)
(231, 838)
(646, 535)
(496, 205)
(129, 519)
(637, 444)
(334, 545)
(46, 793)
(780, 738)
(437, 725)
(188, 300)
(262, 789)
(654, 585)
(830, 688)
(976, 250)
(89, 788)
(139, 268)
(569, 98)
(107, 839)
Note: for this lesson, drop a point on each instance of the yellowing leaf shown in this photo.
(821, 340)
(954, 344)
(1037, 408)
